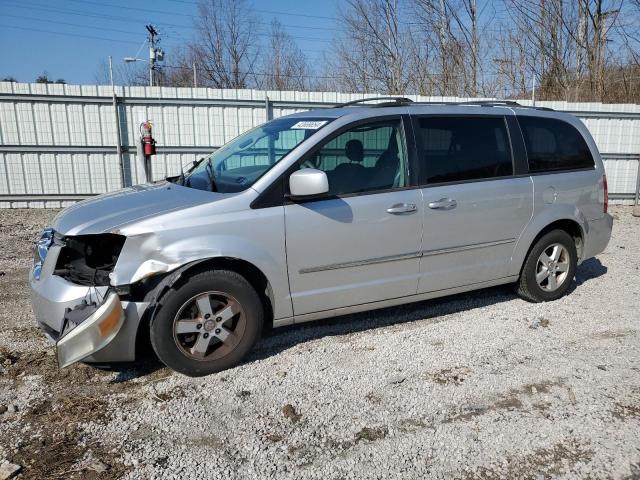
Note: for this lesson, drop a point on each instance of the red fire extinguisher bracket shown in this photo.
(148, 142)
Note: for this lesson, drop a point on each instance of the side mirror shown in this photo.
(308, 182)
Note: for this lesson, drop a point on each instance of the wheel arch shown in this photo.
(570, 225)
(159, 287)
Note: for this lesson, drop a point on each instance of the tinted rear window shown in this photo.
(554, 145)
(453, 149)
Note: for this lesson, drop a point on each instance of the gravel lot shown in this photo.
(481, 385)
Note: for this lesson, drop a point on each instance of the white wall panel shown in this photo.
(15, 173)
(4, 177)
(43, 124)
(197, 120)
(49, 169)
(26, 125)
(8, 124)
(65, 174)
(621, 175)
(32, 173)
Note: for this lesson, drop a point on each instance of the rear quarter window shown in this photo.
(554, 145)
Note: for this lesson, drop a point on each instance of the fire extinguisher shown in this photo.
(148, 143)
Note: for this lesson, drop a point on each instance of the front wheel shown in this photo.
(207, 323)
(549, 268)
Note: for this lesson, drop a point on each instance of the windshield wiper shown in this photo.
(180, 180)
(212, 182)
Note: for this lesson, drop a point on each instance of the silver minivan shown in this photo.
(320, 214)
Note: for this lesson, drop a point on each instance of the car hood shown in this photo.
(111, 211)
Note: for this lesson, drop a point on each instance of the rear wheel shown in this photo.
(208, 323)
(549, 268)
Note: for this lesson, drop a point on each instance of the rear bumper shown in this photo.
(598, 236)
(51, 296)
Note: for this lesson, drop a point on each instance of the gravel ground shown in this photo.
(481, 385)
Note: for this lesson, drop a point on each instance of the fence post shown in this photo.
(636, 203)
(267, 108)
(119, 140)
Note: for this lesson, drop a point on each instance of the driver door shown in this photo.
(360, 243)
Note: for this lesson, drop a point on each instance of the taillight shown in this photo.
(606, 193)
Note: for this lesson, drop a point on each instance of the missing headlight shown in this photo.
(89, 259)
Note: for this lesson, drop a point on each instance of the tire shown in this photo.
(529, 288)
(180, 329)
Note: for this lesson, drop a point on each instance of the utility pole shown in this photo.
(152, 52)
(195, 76)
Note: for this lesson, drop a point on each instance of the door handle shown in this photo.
(402, 208)
(443, 204)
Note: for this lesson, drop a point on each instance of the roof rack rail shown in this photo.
(488, 103)
(403, 101)
(395, 101)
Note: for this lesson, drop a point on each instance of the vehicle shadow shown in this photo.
(277, 340)
(431, 311)
(590, 269)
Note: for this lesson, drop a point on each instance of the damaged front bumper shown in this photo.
(106, 335)
(92, 334)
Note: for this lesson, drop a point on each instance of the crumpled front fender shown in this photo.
(163, 246)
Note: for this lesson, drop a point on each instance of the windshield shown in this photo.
(238, 164)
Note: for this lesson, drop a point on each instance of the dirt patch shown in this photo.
(56, 446)
(373, 398)
(411, 424)
(46, 436)
(290, 412)
(612, 334)
(623, 411)
(515, 399)
(371, 434)
(175, 392)
(449, 375)
(542, 463)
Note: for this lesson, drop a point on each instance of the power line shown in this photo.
(273, 12)
(126, 19)
(66, 34)
(128, 32)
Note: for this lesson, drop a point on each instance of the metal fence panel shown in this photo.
(60, 141)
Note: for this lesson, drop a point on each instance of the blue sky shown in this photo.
(70, 38)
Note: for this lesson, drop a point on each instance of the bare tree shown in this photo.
(452, 29)
(284, 66)
(583, 50)
(370, 54)
(128, 74)
(227, 43)
(180, 71)
(572, 43)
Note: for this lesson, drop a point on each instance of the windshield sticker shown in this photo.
(309, 125)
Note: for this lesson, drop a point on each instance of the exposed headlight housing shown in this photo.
(89, 259)
(41, 250)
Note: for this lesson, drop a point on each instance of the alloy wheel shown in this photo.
(552, 267)
(209, 326)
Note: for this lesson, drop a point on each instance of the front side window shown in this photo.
(554, 145)
(363, 159)
(238, 164)
(453, 149)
